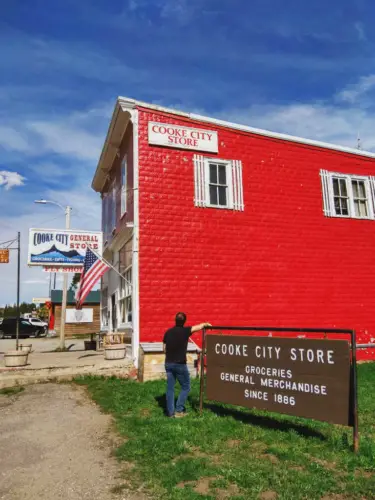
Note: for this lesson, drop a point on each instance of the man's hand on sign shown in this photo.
(196, 328)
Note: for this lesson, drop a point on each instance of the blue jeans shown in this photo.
(181, 373)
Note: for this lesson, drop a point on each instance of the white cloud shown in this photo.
(11, 179)
(78, 135)
(354, 92)
(12, 139)
(360, 31)
(67, 140)
(320, 122)
(178, 10)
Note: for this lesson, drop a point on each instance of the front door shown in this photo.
(114, 312)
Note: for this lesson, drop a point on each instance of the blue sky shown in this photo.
(303, 68)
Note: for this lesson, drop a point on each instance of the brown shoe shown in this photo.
(180, 414)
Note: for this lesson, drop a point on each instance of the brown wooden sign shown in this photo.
(4, 255)
(301, 377)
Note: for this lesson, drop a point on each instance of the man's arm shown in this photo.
(196, 328)
(164, 342)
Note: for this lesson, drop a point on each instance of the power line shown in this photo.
(9, 242)
(50, 220)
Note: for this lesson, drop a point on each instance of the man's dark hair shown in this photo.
(180, 319)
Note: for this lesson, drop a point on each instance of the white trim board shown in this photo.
(131, 103)
(135, 260)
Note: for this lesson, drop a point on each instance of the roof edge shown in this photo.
(123, 110)
(244, 128)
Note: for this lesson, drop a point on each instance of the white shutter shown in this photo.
(199, 184)
(237, 187)
(372, 192)
(328, 208)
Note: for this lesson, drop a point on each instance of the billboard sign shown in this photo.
(61, 247)
(301, 377)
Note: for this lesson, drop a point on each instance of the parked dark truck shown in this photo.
(8, 328)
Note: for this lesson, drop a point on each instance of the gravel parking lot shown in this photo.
(56, 444)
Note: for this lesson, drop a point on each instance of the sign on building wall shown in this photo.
(301, 377)
(174, 136)
(79, 316)
(4, 255)
(56, 247)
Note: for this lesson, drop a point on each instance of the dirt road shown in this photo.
(55, 444)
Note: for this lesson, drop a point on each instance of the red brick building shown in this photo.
(233, 225)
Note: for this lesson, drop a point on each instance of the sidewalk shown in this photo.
(45, 365)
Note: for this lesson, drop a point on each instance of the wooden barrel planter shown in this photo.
(16, 358)
(25, 348)
(115, 351)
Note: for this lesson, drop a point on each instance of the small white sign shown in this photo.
(79, 316)
(174, 136)
(41, 300)
(72, 269)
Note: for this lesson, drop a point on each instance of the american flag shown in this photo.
(93, 270)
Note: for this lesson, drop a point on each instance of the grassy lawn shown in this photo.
(237, 453)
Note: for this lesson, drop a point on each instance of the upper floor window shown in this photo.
(351, 196)
(113, 207)
(123, 184)
(218, 183)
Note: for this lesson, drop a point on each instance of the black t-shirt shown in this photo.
(176, 340)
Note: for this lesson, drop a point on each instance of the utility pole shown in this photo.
(65, 289)
(18, 288)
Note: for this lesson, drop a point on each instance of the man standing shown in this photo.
(175, 348)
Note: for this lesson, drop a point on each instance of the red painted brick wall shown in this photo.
(281, 262)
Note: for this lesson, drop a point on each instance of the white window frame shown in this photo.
(113, 207)
(124, 184)
(329, 196)
(233, 172)
(104, 325)
(126, 295)
(229, 182)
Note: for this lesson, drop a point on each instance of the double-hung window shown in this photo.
(218, 183)
(218, 177)
(123, 184)
(350, 196)
(104, 308)
(113, 207)
(126, 309)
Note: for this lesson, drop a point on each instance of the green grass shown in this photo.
(238, 453)
(11, 391)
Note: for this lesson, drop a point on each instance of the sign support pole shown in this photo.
(65, 290)
(201, 392)
(18, 288)
(354, 394)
